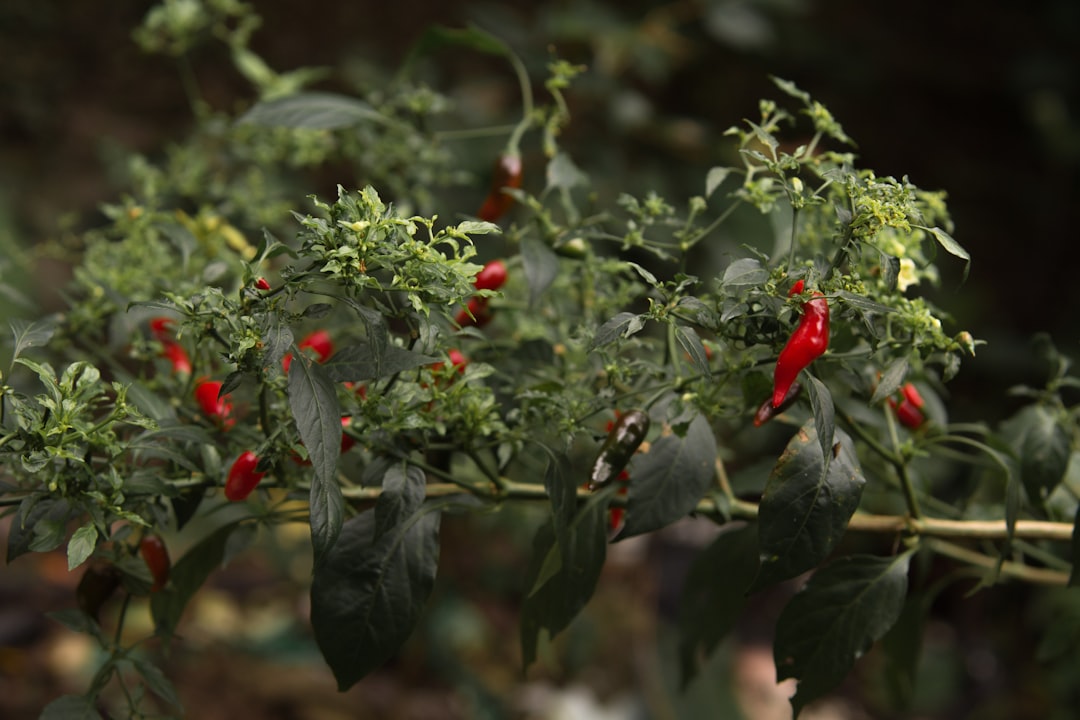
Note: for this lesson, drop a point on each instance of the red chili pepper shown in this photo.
(507, 174)
(161, 328)
(243, 477)
(262, 284)
(805, 345)
(177, 355)
(491, 277)
(478, 314)
(908, 410)
(616, 513)
(156, 556)
(218, 409)
(319, 341)
(456, 359)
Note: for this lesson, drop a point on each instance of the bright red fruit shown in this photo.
(156, 556)
(319, 341)
(492, 276)
(243, 477)
(218, 409)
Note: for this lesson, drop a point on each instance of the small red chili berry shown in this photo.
(478, 313)
(507, 174)
(491, 277)
(215, 406)
(262, 284)
(177, 356)
(161, 328)
(243, 477)
(156, 556)
(806, 344)
(911, 394)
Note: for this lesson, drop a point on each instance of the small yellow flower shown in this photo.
(907, 276)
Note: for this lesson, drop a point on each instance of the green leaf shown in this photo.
(715, 178)
(314, 405)
(821, 403)
(691, 344)
(277, 340)
(745, 271)
(1042, 447)
(402, 495)
(622, 325)
(891, 380)
(951, 246)
(902, 646)
(160, 685)
(186, 577)
(563, 174)
(437, 37)
(312, 111)
(478, 227)
(864, 304)
(554, 603)
(357, 362)
(541, 266)
(368, 593)
(830, 623)
(713, 596)
(39, 525)
(1074, 576)
(81, 546)
(805, 511)
(70, 707)
(562, 492)
(31, 334)
(667, 482)
(890, 271)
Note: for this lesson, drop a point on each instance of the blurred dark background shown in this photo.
(979, 99)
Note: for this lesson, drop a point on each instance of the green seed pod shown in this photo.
(622, 442)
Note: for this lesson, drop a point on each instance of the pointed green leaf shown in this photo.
(891, 380)
(436, 37)
(715, 178)
(667, 482)
(31, 334)
(314, 405)
(541, 266)
(714, 594)
(368, 594)
(622, 325)
(81, 546)
(402, 495)
(830, 623)
(554, 603)
(38, 526)
(745, 271)
(70, 707)
(691, 344)
(357, 362)
(821, 403)
(158, 683)
(951, 246)
(902, 646)
(312, 111)
(563, 174)
(805, 511)
(1042, 447)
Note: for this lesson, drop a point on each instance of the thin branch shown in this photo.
(1008, 568)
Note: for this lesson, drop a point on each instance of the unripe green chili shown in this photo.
(622, 442)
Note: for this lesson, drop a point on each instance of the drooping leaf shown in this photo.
(563, 174)
(713, 596)
(81, 545)
(357, 362)
(541, 266)
(39, 516)
(402, 495)
(691, 344)
(951, 246)
(31, 334)
(891, 380)
(622, 325)
(835, 618)
(158, 683)
(1042, 447)
(70, 707)
(276, 342)
(312, 111)
(821, 403)
(715, 178)
(805, 511)
(314, 405)
(368, 593)
(562, 492)
(667, 482)
(745, 271)
(186, 577)
(554, 603)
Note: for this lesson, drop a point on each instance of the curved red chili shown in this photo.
(156, 556)
(507, 174)
(177, 357)
(805, 345)
(218, 409)
(243, 477)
